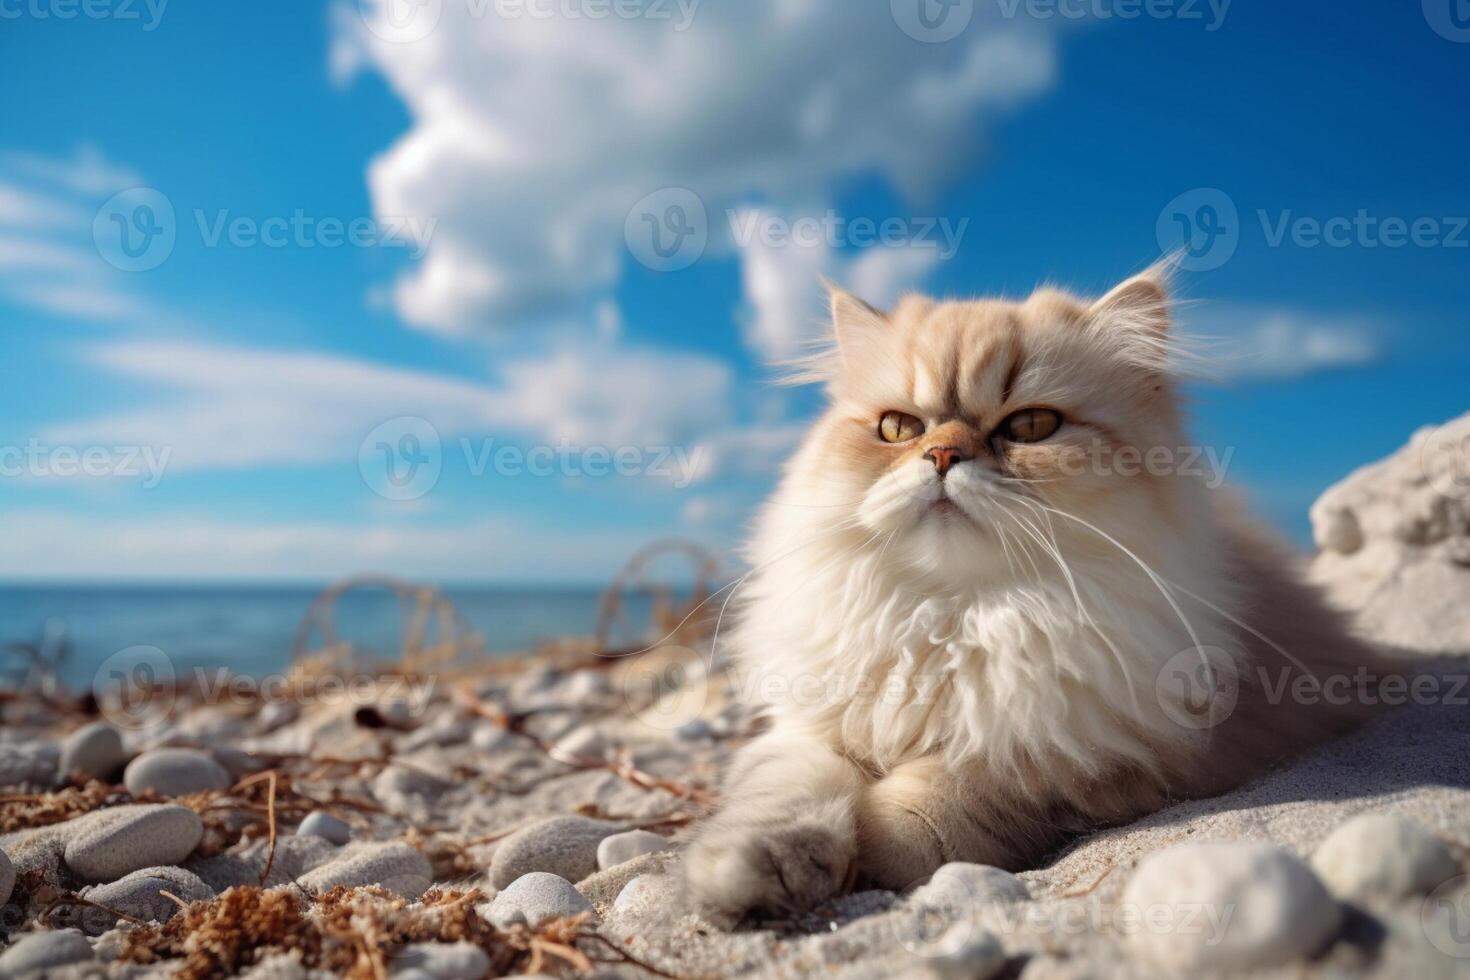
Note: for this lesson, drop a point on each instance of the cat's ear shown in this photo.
(854, 322)
(1140, 304)
(1134, 319)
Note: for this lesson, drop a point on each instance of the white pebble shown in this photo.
(1228, 906)
(640, 894)
(108, 844)
(442, 961)
(565, 846)
(175, 772)
(93, 751)
(967, 952)
(326, 826)
(964, 887)
(584, 744)
(7, 878)
(393, 865)
(1383, 856)
(694, 730)
(40, 951)
(534, 899)
(140, 895)
(621, 848)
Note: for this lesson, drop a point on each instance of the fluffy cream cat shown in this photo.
(984, 618)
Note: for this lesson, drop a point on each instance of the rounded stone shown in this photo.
(967, 952)
(41, 951)
(564, 846)
(583, 745)
(443, 961)
(175, 772)
(963, 887)
(393, 865)
(1383, 856)
(620, 848)
(93, 751)
(535, 899)
(324, 825)
(640, 894)
(112, 843)
(1229, 906)
(140, 895)
(7, 878)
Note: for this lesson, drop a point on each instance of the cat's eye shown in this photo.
(1030, 425)
(899, 427)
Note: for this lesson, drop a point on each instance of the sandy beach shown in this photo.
(443, 819)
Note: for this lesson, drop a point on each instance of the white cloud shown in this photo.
(48, 544)
(48, 261)
(86, 172)
(232, 407)
(781, 277)
(533, 137)
(1248, 344)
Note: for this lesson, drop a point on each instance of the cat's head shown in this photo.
(959, 432)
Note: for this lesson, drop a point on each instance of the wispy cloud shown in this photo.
(1242, 343)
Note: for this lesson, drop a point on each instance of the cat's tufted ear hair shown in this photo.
(855, 328)
(854, 322)
(1136, 316)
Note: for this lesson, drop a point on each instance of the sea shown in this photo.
(249, 629)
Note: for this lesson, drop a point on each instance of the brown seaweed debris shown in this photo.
(353, 932)
(24, 811)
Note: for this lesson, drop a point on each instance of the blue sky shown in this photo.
(497, 160)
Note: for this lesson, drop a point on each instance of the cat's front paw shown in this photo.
(738, 869)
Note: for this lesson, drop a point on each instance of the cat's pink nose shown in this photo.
(943, 457)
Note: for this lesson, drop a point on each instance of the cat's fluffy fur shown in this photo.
(977, 665)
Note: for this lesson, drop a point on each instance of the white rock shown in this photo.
(397, 784)
(326, 826)
(565, 846)
(28, 764)
(490, 738)
(93, 751)
(641, 894)
(694, 730)
(966, 952)
(965, 887)
(40, 951)
(1383, 856)
(1228, 906)
(619, 848)
(140, 895)
(7, 878)
(585, 743)
(536, 898)
(446, 730)
(175, 772)
(108, 844)
(443, 961)
(276, 714)
(1405, 580)
(393, 865)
